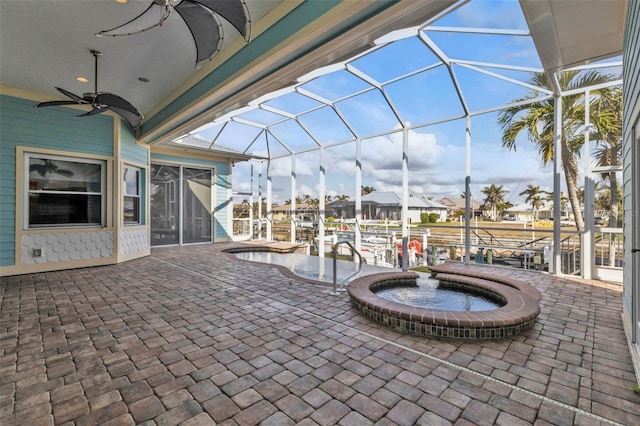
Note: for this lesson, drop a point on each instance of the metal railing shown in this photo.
(241, 228)
(608, 247)
(526, 247)
(570, 248)
(335, 265)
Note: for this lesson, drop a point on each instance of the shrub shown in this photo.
(330, 219)
(433, 217)
(424, 217)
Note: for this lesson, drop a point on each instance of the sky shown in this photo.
(436, 152)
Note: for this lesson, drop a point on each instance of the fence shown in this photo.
(526, 245)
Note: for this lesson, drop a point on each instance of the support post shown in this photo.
(467, 193)
(321, 205)
(251, 205)
(405, 199)
(358, 234)
(269, 202)
(292, 210)
(557, 169)
(587, 262)
(260, 202)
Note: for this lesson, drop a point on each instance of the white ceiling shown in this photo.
(571, 33)
(44, 44)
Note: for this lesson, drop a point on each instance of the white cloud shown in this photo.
(435, 170)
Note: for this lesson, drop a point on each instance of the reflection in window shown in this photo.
(64, 191)
(131, 177)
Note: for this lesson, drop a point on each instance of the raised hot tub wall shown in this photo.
(518, 314)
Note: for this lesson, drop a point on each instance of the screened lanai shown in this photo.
(418, 112)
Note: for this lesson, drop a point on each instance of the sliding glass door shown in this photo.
(196, 205)
(181, 205)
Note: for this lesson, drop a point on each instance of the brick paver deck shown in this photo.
(191, 336)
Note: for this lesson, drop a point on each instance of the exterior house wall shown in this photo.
(223, 200)
(133, 240)
(631, 133)
(50, 131)
(381, 212)
(56, 131)
(414, 214)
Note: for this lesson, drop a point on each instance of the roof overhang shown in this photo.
(596, 31)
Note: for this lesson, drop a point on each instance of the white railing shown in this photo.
(608, 247)
(241, 229)
(570, 248)
(532, 249)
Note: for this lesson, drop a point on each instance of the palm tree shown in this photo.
(306, 199)
(608, 150)
(537, 120)
(534, 197)
(564, 200)
(494, 195)
(364, 190)
(342, 197)
(503, 206)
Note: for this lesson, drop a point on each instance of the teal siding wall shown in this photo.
(129, 149)
(222, 181)
(52, 128)
(631, 88)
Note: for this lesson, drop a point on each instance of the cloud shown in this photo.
(435, 170)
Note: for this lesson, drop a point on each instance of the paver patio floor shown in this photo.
(192, 336)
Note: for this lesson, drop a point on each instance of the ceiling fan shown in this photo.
(201, 17)
(100, 101)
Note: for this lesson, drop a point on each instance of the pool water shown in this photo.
(427, 295)
(312, 267)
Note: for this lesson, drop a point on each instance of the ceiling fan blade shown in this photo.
(121, 107)
(101, 101)
(94, 111)
(133, 118)
(233, 11)
(75, 99)
(205, 28)
(55, 103)
(124, 30)
(73, 96)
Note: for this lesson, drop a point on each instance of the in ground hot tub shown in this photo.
(515, 311)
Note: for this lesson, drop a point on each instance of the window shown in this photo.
(64, 191)
(131, 180)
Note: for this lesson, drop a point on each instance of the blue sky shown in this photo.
(436, 152)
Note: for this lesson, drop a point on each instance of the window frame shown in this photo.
(138, 196)
(27, 191)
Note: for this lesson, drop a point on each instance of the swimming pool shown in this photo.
(312, 267)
